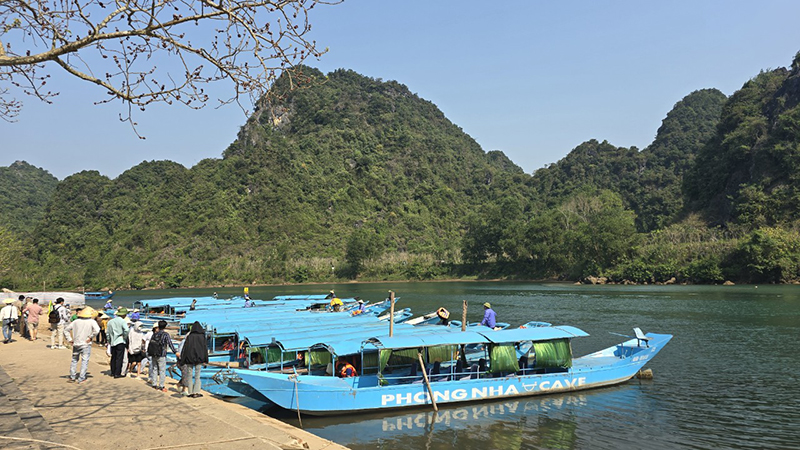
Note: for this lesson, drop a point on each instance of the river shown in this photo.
(728, 379)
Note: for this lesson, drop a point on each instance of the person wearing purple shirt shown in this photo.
(489, 316)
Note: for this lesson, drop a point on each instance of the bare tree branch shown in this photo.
(146, 51)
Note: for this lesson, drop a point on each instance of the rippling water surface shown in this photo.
(728, 379)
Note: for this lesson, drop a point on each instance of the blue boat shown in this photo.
(518, 362)
(98, 295)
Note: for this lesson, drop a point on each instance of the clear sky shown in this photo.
(531, 78)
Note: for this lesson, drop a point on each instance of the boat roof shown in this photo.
(476, 337)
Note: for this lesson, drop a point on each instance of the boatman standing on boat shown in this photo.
(489, 316)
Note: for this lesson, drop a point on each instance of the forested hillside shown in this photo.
(716, 196)
(325, 177)
(341, 176)
(24, 193)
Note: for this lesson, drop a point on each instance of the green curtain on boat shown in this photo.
(384, 358)
(289, 356)
(552, 354)
(369, 362)
(402, 357)
(442, 353)
(273, 354)
(319, 357)
(503, 358)
(261, 351)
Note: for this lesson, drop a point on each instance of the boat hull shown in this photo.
(330, 395)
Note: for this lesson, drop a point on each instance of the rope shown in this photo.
(297, 401)
(39, 442)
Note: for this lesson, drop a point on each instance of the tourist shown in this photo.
(444, 316)
(80, 334)
(193, 305)
(33, 311)
(192, 357)
(117, 331)
(330, 295)
(147, 359)
(247, 302)
(361, 306)
(109, 305)
(336, 303)
(489, 316)
(58, 318)
(9, 314)
(102, 322)
(157, 350)
(20, 304)
(135, 349)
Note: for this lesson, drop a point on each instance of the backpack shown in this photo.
(54, 317)
(155, 349)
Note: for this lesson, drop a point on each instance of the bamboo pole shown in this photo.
(391, 313)
(427, 382)
(464, 316)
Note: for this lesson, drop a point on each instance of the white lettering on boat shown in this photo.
(479, 393)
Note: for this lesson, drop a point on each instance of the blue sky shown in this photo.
(533, 79)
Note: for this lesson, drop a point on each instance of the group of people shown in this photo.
(23, 315)
(130, 346)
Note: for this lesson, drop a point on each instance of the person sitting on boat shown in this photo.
(489, 316)
(109, 304)
(193, 305)
(247, 302)
(361, 307)
(344, 369)
(444, 316)
(330, 295)
(336, 304)
(228, 345)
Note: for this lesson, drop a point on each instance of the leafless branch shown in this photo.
(145, 51)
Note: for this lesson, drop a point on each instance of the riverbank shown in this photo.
(37, 402)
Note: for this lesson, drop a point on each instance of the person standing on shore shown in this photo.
(34, 311)
(157, 350)
(80, 333)
(59, 318)
(8, 314)
(192, 357)
(117, 331)
(135, 348)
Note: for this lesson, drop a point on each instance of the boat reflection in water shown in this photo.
(536, 422)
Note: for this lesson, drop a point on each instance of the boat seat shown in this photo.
(640, 336)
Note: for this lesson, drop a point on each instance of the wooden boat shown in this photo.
(389, 378)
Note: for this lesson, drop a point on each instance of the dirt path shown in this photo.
(125, 413)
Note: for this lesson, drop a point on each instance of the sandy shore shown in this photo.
(37, 402)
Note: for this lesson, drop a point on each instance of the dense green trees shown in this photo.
(351, 177)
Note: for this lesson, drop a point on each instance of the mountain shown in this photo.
(749, 173)
(25, 191)
(318, 171)
(649, 181)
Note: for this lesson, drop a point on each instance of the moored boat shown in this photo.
(518, 362)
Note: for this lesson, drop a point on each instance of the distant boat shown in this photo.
(98, 295)
(70, 298)
(517, 363)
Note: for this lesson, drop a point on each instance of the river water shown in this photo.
(728, 379)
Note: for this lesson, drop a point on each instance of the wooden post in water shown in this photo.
(391, 313)
(427, 381)
(464, 316)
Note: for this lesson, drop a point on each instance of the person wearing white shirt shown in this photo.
(8, 314)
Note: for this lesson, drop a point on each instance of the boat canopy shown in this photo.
(477, 337)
